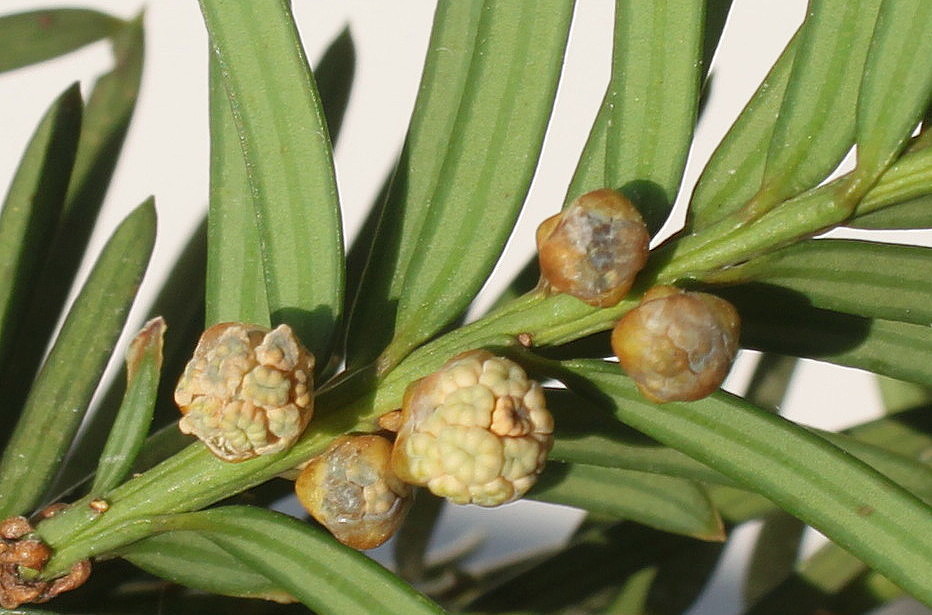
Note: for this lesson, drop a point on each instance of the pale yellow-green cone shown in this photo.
(247, 391)
(353, 492)
(475, 432)
(677, 345)
(594, 248)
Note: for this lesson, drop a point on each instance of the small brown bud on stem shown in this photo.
(20, 554)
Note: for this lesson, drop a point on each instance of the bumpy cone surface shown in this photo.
(247, 391)
(475, 432)
(353, 492)
(676, 345)
(594, 248)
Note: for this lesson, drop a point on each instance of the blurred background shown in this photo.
(166, 155)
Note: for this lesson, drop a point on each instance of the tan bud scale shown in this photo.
(475, 432)
(22, 551)
(247, 391)
(353, 492)
(594, 248)
(677, 345)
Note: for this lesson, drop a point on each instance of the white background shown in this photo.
(167, 156)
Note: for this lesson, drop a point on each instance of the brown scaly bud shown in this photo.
(353, 492)
(677, 345)
(475, 432)
(21, 551)
(52, 509)
(594, 248)
(14, 528)
(14, 590)
(247, 391)
(30, 553)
